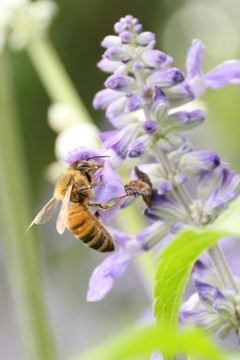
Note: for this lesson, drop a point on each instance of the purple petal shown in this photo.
(227, 72)
(134, 103)
(198, 269)
(194, 59)
(205, 292)
(165, 187)
(119, 140)
(103, 277)
(110, 187)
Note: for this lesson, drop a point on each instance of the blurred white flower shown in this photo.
(54, 170)
(83, 134)
(61, 117)
(22, 21)
(72, 133)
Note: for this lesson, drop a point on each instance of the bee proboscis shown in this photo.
(74, 189)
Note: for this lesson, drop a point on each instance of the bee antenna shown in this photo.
(97, 156)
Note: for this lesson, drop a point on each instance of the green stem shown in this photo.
(54, 77)
(21, 251)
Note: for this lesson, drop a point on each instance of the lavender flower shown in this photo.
(140, 100)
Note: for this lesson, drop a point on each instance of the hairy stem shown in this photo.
(222, 267)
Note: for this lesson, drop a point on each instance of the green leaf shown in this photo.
(176, 262)
(136, 343)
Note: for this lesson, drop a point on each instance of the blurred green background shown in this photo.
(66, 265)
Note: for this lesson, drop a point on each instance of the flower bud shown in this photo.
(115, 53)
(194, 162)
(166, 78)
(156, 59)
(121, 83)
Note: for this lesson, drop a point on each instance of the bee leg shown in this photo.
(112, 202)
(83, 188)
(97, 214)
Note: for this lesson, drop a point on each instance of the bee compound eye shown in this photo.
(81, 166)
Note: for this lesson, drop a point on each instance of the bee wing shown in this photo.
(46, 213)
(64, 211)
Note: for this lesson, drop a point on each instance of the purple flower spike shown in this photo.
(120, 82)
(166, 78)
(149, 126)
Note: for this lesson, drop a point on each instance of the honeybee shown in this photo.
(74, 189)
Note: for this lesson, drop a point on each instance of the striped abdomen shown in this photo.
(88, 229)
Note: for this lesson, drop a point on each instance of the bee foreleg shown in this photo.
(83, 188)
(97, 214)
